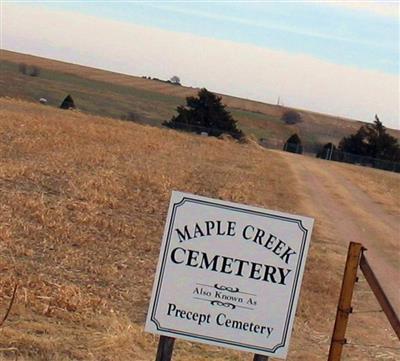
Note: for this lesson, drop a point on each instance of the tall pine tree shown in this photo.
(372, 140)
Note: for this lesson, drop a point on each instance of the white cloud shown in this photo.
(381, 7)
(223, 66)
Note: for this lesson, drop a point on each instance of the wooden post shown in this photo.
(380, 295)
(165, 348)
(344, 306)
(260, 358)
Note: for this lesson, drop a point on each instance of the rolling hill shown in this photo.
(105, 93)
(83, 204)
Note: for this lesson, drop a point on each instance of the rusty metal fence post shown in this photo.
(344, 305)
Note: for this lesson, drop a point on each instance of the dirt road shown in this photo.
(348, 213)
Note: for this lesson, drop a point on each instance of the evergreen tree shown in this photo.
(68, 103)
(372, 140)
(293, 144)
(327, 151)
(355, 143)
(204, 113)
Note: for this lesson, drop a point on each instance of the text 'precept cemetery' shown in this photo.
(229, 275)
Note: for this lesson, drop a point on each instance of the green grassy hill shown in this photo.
(115, 95)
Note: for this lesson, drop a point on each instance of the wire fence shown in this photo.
(332, 154)
(313, 149)
(339, 156)
(316, 149)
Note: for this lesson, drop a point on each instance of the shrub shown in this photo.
(291, 117)
(205, 113)
(130, 117)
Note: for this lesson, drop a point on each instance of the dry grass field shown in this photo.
(83, 201)
(112, 94)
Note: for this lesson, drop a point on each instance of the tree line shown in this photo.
(206, 113)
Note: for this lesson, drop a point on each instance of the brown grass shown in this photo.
(83, 204)
(315, 127)
(383, 187)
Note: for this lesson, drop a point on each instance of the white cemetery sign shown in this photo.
(229, 275)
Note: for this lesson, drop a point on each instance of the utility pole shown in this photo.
(330, 155)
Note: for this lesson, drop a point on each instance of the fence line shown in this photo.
(332, 154)
(313, 149)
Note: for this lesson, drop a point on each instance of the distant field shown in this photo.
(83, 204)
(111, 94)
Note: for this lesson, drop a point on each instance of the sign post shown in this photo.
(260, 358)
(228, 275)
(165, 348)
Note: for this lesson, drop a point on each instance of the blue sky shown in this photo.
(343, 35)
(339, 58)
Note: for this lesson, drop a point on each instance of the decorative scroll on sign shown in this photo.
(229, 275)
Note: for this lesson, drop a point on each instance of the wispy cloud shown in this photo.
(380, 8)
(268, 24)
(224, 66)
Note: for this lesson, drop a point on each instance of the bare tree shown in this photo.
(175, 80)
